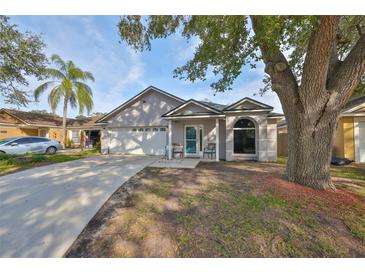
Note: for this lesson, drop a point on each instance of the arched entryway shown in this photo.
(244, 137)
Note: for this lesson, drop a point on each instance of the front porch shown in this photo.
(195, 139)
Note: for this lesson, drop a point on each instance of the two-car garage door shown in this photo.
(139, 140)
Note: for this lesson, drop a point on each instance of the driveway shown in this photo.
(44, 209)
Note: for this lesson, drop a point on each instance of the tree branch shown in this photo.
(277, 67)
(318, 57)
(348, 74)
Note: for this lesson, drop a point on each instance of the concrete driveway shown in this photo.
(43, 210)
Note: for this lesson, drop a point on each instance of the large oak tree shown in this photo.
(313, 63)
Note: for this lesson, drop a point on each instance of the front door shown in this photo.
(191, 140)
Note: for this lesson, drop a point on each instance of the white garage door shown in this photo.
(142, 140)
(362, 142)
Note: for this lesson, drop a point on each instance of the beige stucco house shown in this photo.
(349, 136)
(155, 121)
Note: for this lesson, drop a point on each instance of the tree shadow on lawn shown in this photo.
(227, 209)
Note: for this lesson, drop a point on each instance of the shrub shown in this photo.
(37, 158)
(69, 143)
(5, 157)
(98, 146)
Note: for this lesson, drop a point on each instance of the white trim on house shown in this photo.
(267, 107)
(135, 98)
(197, 140)
(194, 116)
(256, 128)
(189, 102)
(356, 140)
(352, 115)
(247, 111)
(354, 108)
(217, 139)
(170, 140)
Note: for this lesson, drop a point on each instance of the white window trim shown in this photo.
(256, 140)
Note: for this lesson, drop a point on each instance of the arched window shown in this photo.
(244, 137)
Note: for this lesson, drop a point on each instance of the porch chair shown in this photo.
(177, 149)
(209, 150)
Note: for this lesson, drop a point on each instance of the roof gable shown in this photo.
(356, 105)
(7, 118)
(192, 108)
(137, 97)
(248, 104)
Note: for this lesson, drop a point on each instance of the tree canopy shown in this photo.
(227, 43)
(21, 56)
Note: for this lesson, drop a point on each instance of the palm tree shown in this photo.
(67, 84)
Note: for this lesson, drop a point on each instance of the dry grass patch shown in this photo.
(232, 209)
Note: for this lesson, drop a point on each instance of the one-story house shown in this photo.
(154, 121)
(15, 123)
(349, 136)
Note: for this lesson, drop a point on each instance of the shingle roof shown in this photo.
(36, 118)
(355, 101)
(213, 105)
(33, 118)
(83, 122)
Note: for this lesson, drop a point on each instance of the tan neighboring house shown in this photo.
(15, 123)
(350, 133)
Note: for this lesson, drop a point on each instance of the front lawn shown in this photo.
(226, 209)
(352, 171)
(13, 163)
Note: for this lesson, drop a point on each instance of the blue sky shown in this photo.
(92, 42)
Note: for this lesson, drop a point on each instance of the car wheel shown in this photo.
(51, 150)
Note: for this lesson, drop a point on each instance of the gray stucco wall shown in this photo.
(266, 140)
(147, 111)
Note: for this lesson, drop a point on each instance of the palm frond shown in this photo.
(73, 100)
(54, 97)
(85, 86)
(67, 87)
(56, 59)
(54, 73)
(76, 73)
(84, 97)
(40, 89)
(89, 76)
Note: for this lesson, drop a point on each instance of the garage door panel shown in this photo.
(125, 140)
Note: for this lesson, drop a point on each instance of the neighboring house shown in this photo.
(349, 135)
(154, 119)
(22, 123)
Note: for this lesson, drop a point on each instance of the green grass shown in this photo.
(11, 163)
(353, 171)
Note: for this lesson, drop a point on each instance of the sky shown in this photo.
(93, 44)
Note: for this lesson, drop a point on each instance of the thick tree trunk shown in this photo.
(310, 145)
(64, 121)
(312, 105)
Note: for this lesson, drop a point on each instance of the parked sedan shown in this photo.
(31, 144)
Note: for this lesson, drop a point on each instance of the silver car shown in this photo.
(29, 144)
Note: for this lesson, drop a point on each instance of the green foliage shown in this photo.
(98, 146)
(21, 56)
(227, 43)
(69, 143)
